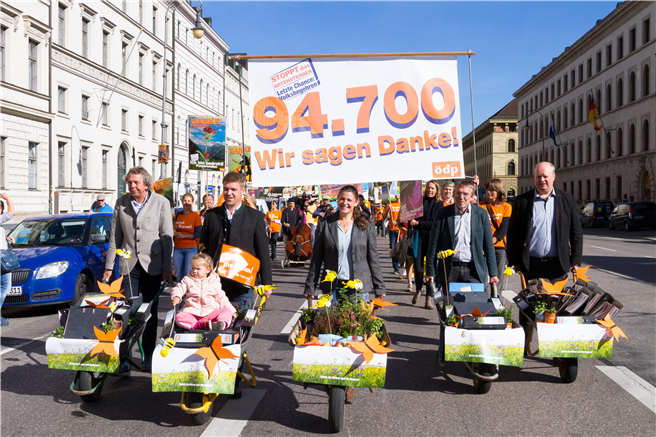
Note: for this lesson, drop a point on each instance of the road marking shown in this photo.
(234, 415)
(288, 327)
(604, 248)
(13, 348)
(647, 256)
(620, 275)
(632, 383)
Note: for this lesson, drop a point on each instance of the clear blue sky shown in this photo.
(513, 40)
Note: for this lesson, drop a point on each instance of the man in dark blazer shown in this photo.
(544, 234)
(238, 225)
(475, 257)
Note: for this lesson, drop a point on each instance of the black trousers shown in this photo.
(147, 286)
(550, 270)
(422, 247)
(464, 273)
(273, 242)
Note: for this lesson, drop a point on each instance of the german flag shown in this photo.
(593, 116)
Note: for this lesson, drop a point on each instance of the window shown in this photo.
(154, 20)
(572, 81)
(580, 73)
(598, 102)
(2, 52)
(620, 93)
(84, 165)
(141, 119)
(571, 187)
(154, 75)
(124, 59)
(186, 90)
(619, 187)
(104, 168)
(85, 37)
(31, 166)
(141, 58)
(511, 168)
(558, 121)
(553, 95)
(580, 152)
(645, 81)
(620, 48)
(62, 25)
(632, 40)
(607, 197)
(573, 115)
(609, 55)
(32, 52)
(153, 168)
(645, 31)
(589, 65)
(631, 139)
(105, 116)
(541, 101)
(588, 150)
(580, 184)
(620, 147)
(587, 189)
(105, 49)
(558, 87)
(207, 95)
(193, 88)
(565, 83)
(645, 136)
(608, 97)
(124, 119)
(580, 110)
(140, 11)
(177, 79)
(200, 92)
(632, 87)
(154, 132)
(61, 100)
(2, 162)
(141, 161)
(598, 148)
(598, 61)
(608, 149)
(565, 117)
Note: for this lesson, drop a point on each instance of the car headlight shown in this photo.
(51, 270)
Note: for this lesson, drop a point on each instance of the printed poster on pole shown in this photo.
(206, 137)
(344, 120)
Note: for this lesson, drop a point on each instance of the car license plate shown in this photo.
(16, 290)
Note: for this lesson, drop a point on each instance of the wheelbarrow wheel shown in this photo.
(569, 369)
(195, 400)
(484, 369)
(336, 402)
(86, 383)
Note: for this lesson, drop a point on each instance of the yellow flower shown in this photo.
(508, 271)
(446, 253)
(330, 276)
(323, 301)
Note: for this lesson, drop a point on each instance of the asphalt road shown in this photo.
(419, 397)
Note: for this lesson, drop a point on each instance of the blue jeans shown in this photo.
(393, 236)
(182, 261)
(6, 286)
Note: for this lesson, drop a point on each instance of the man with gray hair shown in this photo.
(142, 224)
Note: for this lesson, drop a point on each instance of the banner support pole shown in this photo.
(471, 97)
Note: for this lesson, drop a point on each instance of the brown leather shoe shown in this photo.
(349, 393)
(430, 303)
(417, 295)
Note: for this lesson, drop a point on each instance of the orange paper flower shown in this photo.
(380, 303)
(100, 305)
(556, 288)
(581, 273)
(369, 347)
(477, 312)
(113, 290)
(105, 342)
(213, 354)
(612, 328)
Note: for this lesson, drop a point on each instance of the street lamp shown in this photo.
(527, 128)
(198, 33)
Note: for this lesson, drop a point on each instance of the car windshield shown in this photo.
(67, 232)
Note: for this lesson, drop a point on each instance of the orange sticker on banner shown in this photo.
(446, 169)
(238, 265)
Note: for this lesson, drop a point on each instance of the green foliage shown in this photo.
(111, 325)
(576, 349)
(551, 310)
(349, 317)
(221, 382)
(452, 320)
(361, 376)
(307, 315)
(133, 322)
(507, 313)
(540, 307)
(59, 332)
(245, 305)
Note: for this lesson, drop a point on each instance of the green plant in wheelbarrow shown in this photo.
(550, 315)
(539, 311)
(508, 314)
(58, 332)
(453, 321)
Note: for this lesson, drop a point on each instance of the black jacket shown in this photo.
(569, 237)
(246, 232)
(289, 216)
(426, 220)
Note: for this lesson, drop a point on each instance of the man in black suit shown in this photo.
(238, 225)
(544, 234)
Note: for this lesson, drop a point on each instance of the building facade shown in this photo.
(236, 105)
(612, 65)
(496, 149)
(107, 81)
(199, 91)
(25, 105)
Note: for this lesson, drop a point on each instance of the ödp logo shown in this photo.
(450, 169)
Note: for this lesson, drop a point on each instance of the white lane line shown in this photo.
(620, 275)
(632, 383)
(234, 415)
(20, 345)
(288, 327)
(647, 256)
(604, 248)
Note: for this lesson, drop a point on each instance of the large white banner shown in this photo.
(344, 120)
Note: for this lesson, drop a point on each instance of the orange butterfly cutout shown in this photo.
(380, 303)
(477, 313)
(302, 336)
(369, 347)
(581, 273)
(612, 328)
(556, 288)
(105, 342)
(113, 290)
(100, 305)
(213, 354)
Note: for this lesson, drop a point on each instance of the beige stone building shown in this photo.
(613, 63)
(496, 149)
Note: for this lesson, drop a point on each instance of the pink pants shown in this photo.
(190, 321)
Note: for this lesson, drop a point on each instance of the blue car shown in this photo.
(61, 258)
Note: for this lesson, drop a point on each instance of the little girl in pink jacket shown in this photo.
(206, 305)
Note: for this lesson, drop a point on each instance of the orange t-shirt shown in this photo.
(395, 209)
(273, 219)
(498, 214)
(186, 225)
(448, 203)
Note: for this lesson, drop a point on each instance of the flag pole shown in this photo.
(471, 99)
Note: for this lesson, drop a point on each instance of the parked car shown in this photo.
(61, 258)
(596, 213)
(633, 215)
